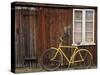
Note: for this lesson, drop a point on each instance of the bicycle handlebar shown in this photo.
(60, 38)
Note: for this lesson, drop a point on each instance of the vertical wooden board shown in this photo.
(42, 29)
(16, 34)
(40, 32)
(47, 28)
(33, 31)
(18, 37)
(39, 35)
(21, 40)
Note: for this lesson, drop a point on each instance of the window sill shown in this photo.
(83, 43)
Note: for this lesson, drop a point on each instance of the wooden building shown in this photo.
(37, 27)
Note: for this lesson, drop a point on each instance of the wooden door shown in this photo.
(25, 35)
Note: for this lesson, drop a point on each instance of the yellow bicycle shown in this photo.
(52, 58)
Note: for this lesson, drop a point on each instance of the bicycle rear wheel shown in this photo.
(49, 61)
(87, 59)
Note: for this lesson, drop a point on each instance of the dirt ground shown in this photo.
(27, 69)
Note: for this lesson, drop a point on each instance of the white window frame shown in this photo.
(83, 26)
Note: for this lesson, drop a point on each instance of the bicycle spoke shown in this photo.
(87, 59)
(50, 61)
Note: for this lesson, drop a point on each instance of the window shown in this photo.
(83, 27)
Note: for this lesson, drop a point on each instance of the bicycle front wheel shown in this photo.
(50, 60)
(82, 59)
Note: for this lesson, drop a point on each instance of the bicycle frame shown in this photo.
(71, 60)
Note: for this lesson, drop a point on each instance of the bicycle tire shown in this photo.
(87, 56)
(50, 65)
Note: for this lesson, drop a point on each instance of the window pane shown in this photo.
(89, 36)
(78, 15)
(78, 26)
(77, 37)
(89, 15)
(89, 26)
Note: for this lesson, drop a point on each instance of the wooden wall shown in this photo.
(52, 23)
(39, 28)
